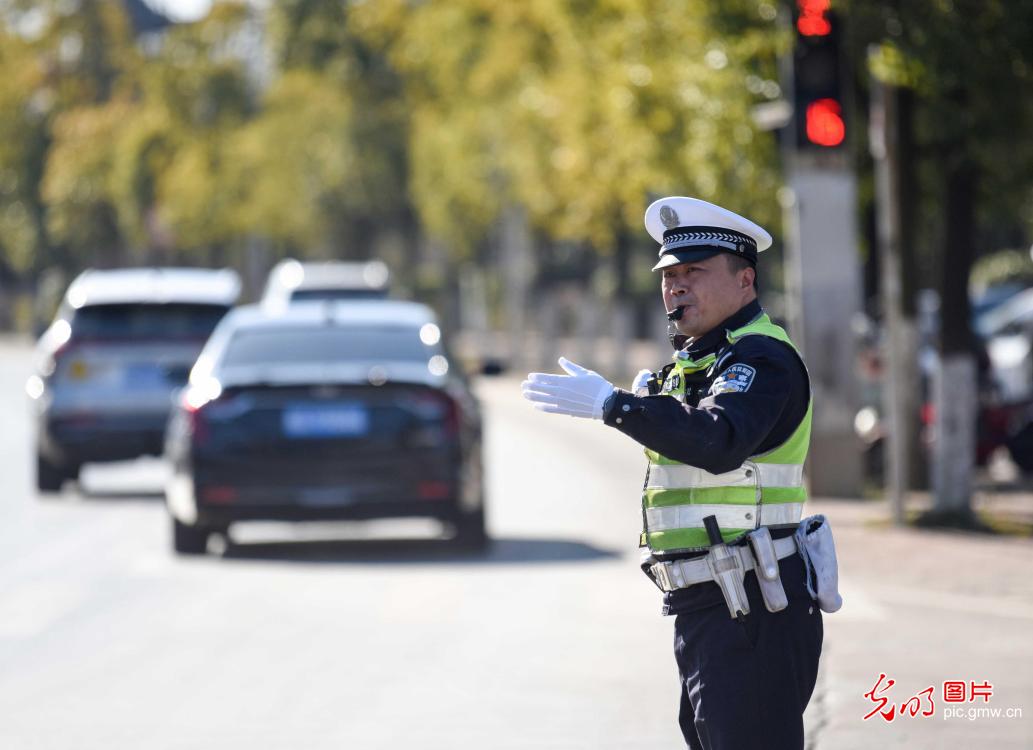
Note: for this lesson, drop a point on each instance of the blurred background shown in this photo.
(490, 162)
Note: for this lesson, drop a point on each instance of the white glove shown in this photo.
(640, 381)
(580, 393)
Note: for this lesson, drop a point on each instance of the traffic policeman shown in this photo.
(726, 427)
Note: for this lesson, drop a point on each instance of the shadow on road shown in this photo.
(100, 496)
(504, 551)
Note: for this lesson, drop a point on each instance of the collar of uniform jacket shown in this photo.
(715, 338)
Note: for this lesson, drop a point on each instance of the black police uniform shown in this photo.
(743, 685)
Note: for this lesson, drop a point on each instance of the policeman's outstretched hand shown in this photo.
(579, 393)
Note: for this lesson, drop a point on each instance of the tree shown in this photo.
(23, 146)
(57, 61)
(76, 185)
(577, 111)
(178, 175)
(357, 119)
(969, 66)
(292, 165)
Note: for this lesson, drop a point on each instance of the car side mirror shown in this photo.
(492, 367)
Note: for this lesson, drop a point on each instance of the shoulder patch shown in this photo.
(736, 379)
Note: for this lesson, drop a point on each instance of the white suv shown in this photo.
(122, 343)
(293, 281)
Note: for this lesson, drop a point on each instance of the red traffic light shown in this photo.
(812, 20)
(825, 126)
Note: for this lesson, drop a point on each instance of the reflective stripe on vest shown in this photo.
(750, 474)
(728, 516)
(768, 488)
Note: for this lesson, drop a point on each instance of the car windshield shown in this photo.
(329, 345)
(305, 295)
(136, 321)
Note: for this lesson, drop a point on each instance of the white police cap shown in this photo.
(689, 229)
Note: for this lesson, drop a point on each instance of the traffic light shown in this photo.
(817, 94)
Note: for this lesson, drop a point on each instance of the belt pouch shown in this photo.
(766, 568)
(814, 540)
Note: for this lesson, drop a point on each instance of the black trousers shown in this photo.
(745, 686)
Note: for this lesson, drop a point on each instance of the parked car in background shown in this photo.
(328, 410)
(121, 343)
(1007, 330)
(293, 281)
(1003, 321)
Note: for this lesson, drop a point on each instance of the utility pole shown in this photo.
(899, 344)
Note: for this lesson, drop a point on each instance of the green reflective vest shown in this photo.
(766, 490)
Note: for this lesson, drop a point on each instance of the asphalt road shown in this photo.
(383, 636)
(376, 636)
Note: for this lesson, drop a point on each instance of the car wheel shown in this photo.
(471, 530)
(189, 540)
(1020, 446)
(49, 476)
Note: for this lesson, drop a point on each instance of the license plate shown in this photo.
(325, 497)
(144, 375)
(100, 374)
(342, 420)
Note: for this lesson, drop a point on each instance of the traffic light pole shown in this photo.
(823, 276)
(824, 279)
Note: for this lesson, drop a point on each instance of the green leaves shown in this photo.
(291, 166)
(577, 111)
(349, 118)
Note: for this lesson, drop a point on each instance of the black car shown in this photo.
(325, 411)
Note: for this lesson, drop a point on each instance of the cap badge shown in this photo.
(669, 217)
